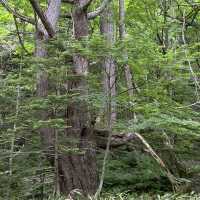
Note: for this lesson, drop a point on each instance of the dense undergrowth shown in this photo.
(164, 108)
(152, 197)
(125, 196)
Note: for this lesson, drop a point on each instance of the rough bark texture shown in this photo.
(47, 134)
(122, 33)
(52, 14)
(107, 29)
(76, 166)
(78, 169)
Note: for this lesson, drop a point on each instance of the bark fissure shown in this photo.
(107, 29)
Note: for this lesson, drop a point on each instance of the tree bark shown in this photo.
(78, 169)
(122, 34)
(42, 36)
(107, 29)
(52, 14)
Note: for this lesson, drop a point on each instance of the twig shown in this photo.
(19, 36)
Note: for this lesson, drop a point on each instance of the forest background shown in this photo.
(99, 99)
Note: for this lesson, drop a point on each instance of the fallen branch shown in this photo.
(120, 139)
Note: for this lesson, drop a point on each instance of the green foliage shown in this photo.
(140, 173)
(127, 196)
(165, 101)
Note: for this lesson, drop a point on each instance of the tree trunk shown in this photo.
(51, 14)
(122, 34)
(107, 29)
(78, 169)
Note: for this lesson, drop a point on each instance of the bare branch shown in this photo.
(99, 10)
(48, 26)
(90, 15)
(16, 14)
(19, 36)
(187, 22)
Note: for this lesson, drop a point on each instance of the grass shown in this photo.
(125, 196)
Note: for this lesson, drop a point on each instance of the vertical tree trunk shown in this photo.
(52, 14)
(47, 134)
(107, 29)
(122, 33)
(78, 169)
(165, 37)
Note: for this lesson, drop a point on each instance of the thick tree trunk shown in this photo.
(42, 36)
(107, 29)
(78, 169)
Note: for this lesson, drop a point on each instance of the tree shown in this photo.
(76, 171)
(122, 35)
(109, 66)
(54, 93)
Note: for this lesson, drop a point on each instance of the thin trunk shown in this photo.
(194, 76)
(13, 144)
(107, 151)
(107, 29)
(122, 34)
(56, 168)
(165, 31)
(56, 157)
(13, 136)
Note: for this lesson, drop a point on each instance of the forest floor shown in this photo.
(146, 196)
